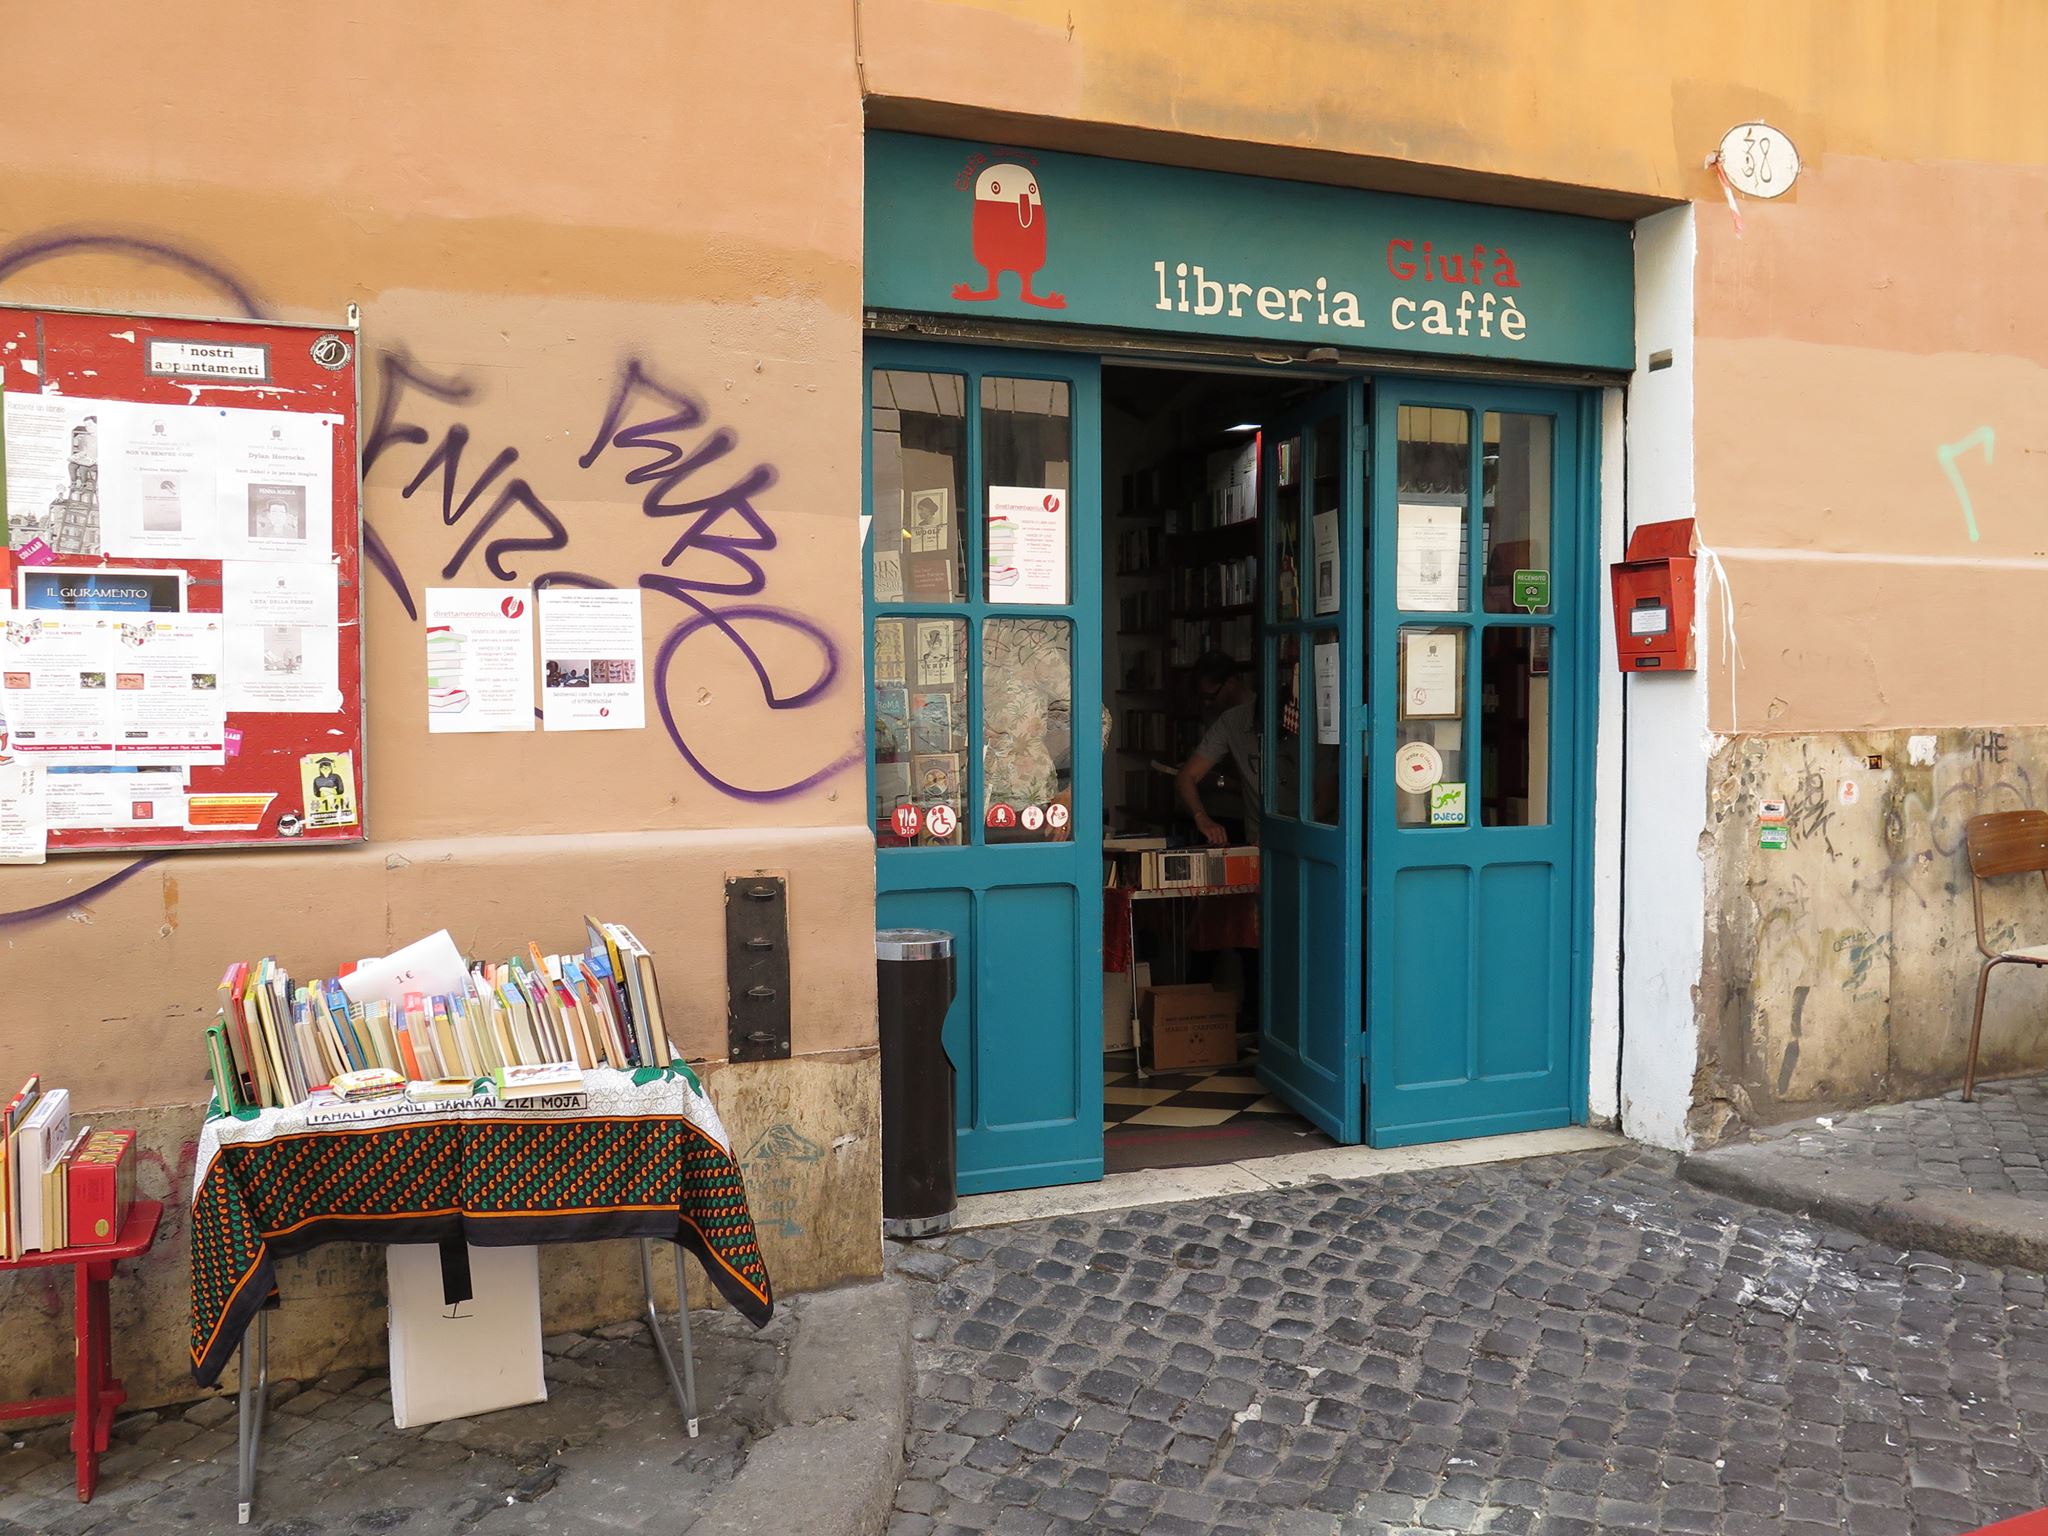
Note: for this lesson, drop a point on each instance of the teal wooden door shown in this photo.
(984, 599)
(1479, 784)
(1311, 696)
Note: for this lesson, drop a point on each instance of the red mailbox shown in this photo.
(1653, 598)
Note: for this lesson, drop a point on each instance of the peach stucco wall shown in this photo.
(525, 201)
(1883, 310)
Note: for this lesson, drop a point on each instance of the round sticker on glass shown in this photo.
(1417, 766)
(903, 821)
(1033, 817)
(1001, 817)
(1056, 815)
(940, 821)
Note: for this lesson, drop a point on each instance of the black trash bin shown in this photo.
(914, 987)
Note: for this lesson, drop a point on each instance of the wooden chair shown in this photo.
(2001, 843)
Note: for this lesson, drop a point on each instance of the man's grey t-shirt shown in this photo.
(1235, 734)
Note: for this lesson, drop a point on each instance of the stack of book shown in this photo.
(531, 1023)
(60, 1187)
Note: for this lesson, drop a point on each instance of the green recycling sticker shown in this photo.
(1532, 590)
(1771, 837)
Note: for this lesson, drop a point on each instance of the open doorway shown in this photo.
(1183, 548)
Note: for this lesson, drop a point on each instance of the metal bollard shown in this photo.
(914, 988)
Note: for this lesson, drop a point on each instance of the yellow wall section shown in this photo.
(1879, 314)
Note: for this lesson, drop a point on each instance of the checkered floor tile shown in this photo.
(1182, 1100)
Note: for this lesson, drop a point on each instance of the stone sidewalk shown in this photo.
(1564, 1346)
(810, 1409)
(1966, 1180)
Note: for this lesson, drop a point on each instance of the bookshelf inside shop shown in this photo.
(1185, 572)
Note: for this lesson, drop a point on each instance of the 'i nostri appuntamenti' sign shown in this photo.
(970, 229)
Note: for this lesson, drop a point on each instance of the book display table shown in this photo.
(624, 1158)
(98, 1392)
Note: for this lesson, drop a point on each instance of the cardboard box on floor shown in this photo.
(1189, 1026)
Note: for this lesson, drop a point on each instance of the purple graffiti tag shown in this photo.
(399, 377)
(666, 470)
(36, 249)
(63, 904)
(724, 621)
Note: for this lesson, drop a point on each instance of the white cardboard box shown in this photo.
(476, 1357)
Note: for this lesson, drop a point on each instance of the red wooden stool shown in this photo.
(98, 1393)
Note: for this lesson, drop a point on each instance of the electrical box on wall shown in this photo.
(1653, 598)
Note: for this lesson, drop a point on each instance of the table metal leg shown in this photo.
(85, 1408)
(255, 1393)
(684, 1386)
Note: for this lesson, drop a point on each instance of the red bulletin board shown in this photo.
(229, 368)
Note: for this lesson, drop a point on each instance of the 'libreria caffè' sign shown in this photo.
(969, 229)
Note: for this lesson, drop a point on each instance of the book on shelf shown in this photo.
(40, 1142)
(10, 1165)
(423, 1014)
(99, 1188)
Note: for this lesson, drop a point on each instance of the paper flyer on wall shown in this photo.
(53, 470)
(24, 813)
(1326, 594)
(327, 781)
(167, 699)
(276, 485)
(282, 652)
(53, 677)
(1429, 558)
(590, 660)
(1027, 544)
(479, 660)
(1328, 706)
(1429, 681)
(87, 799)
(157, 494)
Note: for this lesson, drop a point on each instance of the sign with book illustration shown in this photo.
(180, 584)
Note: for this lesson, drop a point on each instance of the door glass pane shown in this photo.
(1285, 684)
(920, 730)
(1429, 757)
(1325, 704)
(1433, 486)
(1515, 464)
(1027, 446)
(1287, 531)
(1027, 730)
(1514, 727)
(918, 428)
(1327, 502)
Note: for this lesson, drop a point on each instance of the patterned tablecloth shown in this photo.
(632, 1160)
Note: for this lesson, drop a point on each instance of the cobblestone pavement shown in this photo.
(605, 1453)
(1570, 1345)
(1995, 1146)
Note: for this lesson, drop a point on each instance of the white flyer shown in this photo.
(1326, 596)
(590, 660)
(53, 677)
(1429, 681)
(24, 814)
(156, 483)
(96, 798)
(276, 485)
(282, 652)
(167, 700)
(1027, 544)
(1429, 558)
(53, 469)
(1328, 707)
(479, 660)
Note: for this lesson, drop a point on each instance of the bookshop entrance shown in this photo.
(1234, 723)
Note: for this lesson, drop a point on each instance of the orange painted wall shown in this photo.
(1881, 311)
(524, 199)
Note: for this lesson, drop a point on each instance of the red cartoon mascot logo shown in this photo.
(1009, 235)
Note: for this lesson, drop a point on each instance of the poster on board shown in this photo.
(185, 622)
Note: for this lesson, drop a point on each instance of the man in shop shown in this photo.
(1233, 733)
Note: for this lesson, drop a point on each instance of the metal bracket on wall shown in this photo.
(756, 968)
